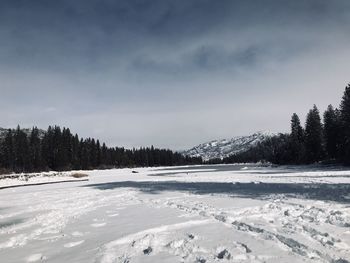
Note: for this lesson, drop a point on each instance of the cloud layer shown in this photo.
(170, 73)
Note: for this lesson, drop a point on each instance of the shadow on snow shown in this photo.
(326, 192)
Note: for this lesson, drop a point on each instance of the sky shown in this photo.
(171, 74)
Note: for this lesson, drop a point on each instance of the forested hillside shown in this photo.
(317, 141)
(23, 150)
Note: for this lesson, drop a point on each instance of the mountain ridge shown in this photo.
(219, 149)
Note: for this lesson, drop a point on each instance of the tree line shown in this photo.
(58, 149)
(326, 140)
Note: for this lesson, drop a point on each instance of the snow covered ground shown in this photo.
(16, 180)
(225, 213)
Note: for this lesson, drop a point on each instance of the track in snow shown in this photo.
(184, 214)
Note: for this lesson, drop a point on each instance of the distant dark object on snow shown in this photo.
(79, 175)
(135, 172)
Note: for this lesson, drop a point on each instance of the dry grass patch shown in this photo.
(79, 175)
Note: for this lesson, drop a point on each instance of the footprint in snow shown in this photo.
(245, 248)
(113, 215)
(115, 210)
(201, 260)
(98, 224)
(74, 244)
(191, 236)
(224, 254)
(77, 234)
(36, 258)
(147, 251)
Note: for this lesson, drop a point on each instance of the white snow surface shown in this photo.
(14, 180)
(223, 213)
(219, 149)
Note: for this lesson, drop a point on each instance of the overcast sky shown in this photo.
(170, 73)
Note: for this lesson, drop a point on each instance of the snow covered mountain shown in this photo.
(226, 147)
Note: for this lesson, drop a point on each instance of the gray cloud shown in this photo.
(169, 73)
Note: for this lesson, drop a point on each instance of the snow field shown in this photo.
(184, 214)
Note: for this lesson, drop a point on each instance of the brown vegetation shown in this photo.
(79, 175)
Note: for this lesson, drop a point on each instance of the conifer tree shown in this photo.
(35, 149)
(75, 152)
(332, 130)
(93, 153)
(57, 148)
(98, 153)
(345, 125)
(85, 156)
(314, 136)
(66, 149)
(104, 154)
(8, 151)
(47, 148)
(297, 149)
(21, 151)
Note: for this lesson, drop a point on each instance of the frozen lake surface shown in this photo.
(224, 213)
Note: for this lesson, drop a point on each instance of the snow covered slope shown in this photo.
(226, 147)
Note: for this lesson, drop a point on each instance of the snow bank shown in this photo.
(22, 179)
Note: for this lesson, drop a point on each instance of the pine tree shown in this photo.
(98, 154)
(9, 151)
(297, 148)
(345, 125)
(66, 149)
(104, 154)
(85, 156)
(297, 132)
(47, 149)
(92, 153)
(35, 149)
(21, 151)
(332, 130)
(151, 156)
(58, 154)
(314, 136)
(75, 152)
